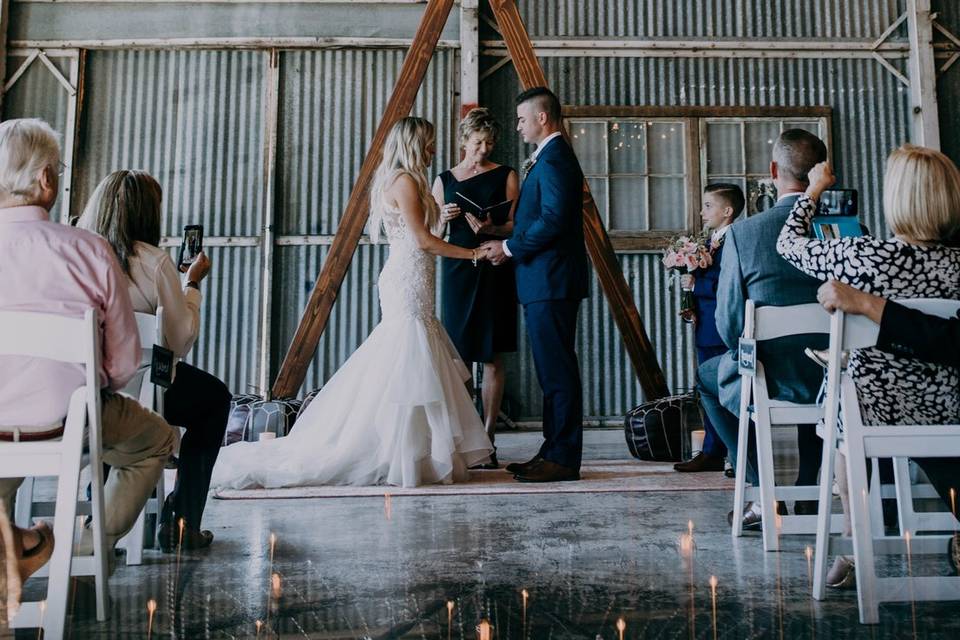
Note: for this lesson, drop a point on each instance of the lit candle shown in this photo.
(259, 625)
(151, 609)
(387, 505)
(713, 598)
(621, 626)
(808, 552)
(484, 630)
(523, 619)
(450, 606)
(275, 585)
(913, 600)
(273, 545)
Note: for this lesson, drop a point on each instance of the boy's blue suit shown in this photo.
(551, 268)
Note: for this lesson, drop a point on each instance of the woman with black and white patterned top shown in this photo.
(922, 207)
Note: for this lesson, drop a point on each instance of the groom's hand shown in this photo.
(494, 251)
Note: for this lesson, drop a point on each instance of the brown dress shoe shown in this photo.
(700, 462)
(32, 559)
(517, 467)
(546, 471)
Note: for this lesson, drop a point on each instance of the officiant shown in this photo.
(477, 199)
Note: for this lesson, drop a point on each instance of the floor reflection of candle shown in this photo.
(686, 552)
(953, 509)
(779, 524)
(621, 626)
(913, 600)
(713, 601)
(484, 630)
(450, 606)
(523, 617)
(151, 609)
(43, 609)
(387, 505)
(259, 625)
(273, 546)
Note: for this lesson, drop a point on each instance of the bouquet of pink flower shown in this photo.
(684, 255)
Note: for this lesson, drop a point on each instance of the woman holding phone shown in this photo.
(480, 304)
(125, 210)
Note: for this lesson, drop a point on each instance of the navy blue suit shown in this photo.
(707, 339)
(551, 270)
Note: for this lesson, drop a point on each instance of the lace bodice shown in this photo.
(408, 281)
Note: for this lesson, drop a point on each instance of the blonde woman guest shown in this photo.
(397, 412)
(480, 304)
(922, 207)
(125, 210)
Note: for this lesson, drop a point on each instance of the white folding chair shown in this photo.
(857, 443)
(149, 395)
(762, 324)
(76, 341)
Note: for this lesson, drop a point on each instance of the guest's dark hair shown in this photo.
(125, 208)
(547, 102)
(731, 193)
(797, 151)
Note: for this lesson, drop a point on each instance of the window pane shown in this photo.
(759, 138)
(668, 208)
(761, 195)
(627, 152)
(723, 148)
(813, 126)
(598, 187)
(589, 143)
(628, 203)
(665, 143)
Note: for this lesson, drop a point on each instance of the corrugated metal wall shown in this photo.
(194, 120)
(948, 84)
(331, 103)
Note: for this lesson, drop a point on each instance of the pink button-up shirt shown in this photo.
(53, 268)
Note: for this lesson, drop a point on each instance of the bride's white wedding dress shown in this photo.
(397, 412)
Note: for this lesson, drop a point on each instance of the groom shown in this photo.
(551, 267)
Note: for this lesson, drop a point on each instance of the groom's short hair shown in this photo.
(546, 100)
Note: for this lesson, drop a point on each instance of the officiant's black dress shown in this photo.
(479, 304)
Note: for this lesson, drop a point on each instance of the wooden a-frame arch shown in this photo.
(317, 313)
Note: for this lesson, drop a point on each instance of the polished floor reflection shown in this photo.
(434, 567)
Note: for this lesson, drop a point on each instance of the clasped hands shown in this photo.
(492, 250)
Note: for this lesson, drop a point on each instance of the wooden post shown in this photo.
(272, 106)
(314, 321)
(923, 75)
(618, 293)
(469, 55)
(4, 28)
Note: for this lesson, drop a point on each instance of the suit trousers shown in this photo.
(136, 445)
(200, 403)
(727, 425)
(552, 327)
(712, 444)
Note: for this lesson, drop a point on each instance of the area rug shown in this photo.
(598, 476)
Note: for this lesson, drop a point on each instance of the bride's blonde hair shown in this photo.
(404, 152)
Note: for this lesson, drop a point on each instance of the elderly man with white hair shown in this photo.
(53, 268)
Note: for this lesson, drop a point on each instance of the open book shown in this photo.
(498, 211)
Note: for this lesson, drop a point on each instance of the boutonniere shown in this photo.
(526, 167)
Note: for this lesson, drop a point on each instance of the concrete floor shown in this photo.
(346, 570)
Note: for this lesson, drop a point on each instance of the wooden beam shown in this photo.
(315, 317)
(605, 262)
(469, 56)
(693, 111)
(923, 75)
(4, 28)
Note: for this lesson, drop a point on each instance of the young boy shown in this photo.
(722, 203)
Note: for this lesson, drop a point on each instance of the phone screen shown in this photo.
(192, 243)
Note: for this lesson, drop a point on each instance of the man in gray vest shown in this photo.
(752, 269)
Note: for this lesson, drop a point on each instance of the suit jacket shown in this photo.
(914, 334)
(752, 269)
(705, 302)
(547, 243)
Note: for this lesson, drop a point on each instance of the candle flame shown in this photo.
(275, 584)
(713, 582)
(484, 630)
(151, 609)
(690, 528)
(621, 625)
(808, 552)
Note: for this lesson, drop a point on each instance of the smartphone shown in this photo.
(839, 202)
(192, 243)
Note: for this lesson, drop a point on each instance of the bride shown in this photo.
(397, 412)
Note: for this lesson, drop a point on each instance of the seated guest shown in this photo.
(722, 203)
(125, 209)
(922, 207)
(909, 333)
(750, 268)
(52, 268)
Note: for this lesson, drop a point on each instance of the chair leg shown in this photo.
(133, 541)
(824, 517)
(100, 549)
(768, 500)
(901, 479)
(740, 479)
(862, 531)
(64, 525)
(23, 512)
(876, 501)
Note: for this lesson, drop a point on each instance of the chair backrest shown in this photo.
(770, 323)
(859, 332)
(150, 327)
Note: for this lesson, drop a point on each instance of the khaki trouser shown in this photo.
(136, 445)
